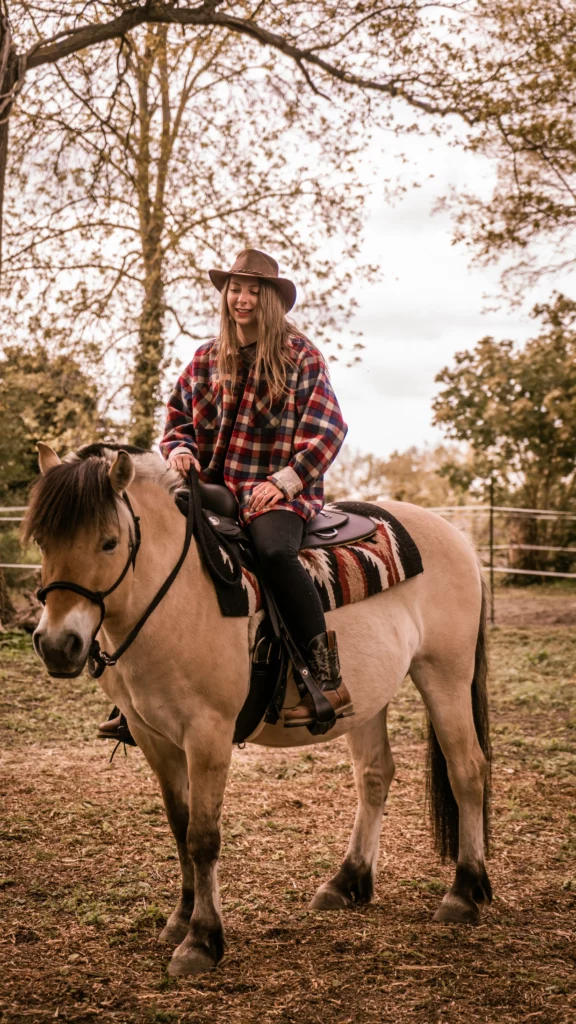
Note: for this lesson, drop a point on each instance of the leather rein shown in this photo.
(99, 660)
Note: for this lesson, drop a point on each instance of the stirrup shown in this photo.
(347, 711)
(118, 730)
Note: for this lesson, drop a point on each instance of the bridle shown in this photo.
(95, 655)
(99, 660)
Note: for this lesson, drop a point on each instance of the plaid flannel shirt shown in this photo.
(291, 441)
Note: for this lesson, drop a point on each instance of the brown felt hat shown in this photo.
(253, 263)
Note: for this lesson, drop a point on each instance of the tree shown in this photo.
(505, 68)
(127, 189)
(418, 475)
(344, 51)
(408, 66)
(42, 398)
(522, 116)
(415, 475)
(516, 408)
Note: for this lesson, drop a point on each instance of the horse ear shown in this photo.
(47, 457)
(121, 472)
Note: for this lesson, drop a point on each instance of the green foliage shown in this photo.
(516, 408)
(42, 398)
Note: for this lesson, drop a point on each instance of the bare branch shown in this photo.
(207, 14)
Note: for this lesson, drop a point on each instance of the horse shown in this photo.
(184, 679)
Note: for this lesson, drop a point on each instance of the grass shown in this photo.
(88, 871)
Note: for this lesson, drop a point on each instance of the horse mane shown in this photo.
(78, 493)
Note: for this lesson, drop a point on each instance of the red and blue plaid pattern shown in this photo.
(304, 430)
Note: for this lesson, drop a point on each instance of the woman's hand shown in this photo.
(265, 495)
(181, 459)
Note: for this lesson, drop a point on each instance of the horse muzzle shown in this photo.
(64, 652)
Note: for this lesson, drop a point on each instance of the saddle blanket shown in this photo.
(347, 573)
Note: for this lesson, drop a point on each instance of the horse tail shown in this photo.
(440, 798)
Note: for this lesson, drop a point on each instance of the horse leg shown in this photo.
(208, 754)
(458, 780)
(373, 772)
(168, 762)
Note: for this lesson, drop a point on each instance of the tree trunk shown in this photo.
(4, 126)
(149, 360)
(7, 609)
(9, 67)
(150, 357)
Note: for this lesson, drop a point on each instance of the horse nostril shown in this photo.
(37, 641)
(61, 652)
(73, 646)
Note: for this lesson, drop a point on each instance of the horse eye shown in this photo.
(109, 545)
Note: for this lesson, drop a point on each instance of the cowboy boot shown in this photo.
(322, 655)
(116, 728)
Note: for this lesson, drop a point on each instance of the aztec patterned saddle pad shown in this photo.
(342, 574)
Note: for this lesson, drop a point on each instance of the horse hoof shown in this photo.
(174, 933)
(456, 910)
(328, 898)
(193, 960)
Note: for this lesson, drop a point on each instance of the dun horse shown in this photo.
(184, 679)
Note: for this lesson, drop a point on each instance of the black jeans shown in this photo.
(276, 536)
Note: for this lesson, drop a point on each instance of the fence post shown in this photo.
(492, 616)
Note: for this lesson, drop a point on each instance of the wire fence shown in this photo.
(461, 512)
(4, 518)
(479, 522)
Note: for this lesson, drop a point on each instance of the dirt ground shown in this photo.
(535, 606)
(88, 870)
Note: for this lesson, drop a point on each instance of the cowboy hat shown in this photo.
(253, 263)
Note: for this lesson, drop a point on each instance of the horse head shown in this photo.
(86, 533)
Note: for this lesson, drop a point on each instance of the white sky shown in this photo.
(428, 306)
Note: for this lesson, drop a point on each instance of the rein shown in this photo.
(99, 660)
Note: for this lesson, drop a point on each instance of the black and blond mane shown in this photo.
(78, 494)
(70, 496)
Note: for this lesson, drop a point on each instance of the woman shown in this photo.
(255, 411)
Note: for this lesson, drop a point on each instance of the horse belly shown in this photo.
(377, 639)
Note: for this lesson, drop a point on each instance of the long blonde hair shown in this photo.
(273, 361)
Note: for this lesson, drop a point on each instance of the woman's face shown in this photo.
(242, 299)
